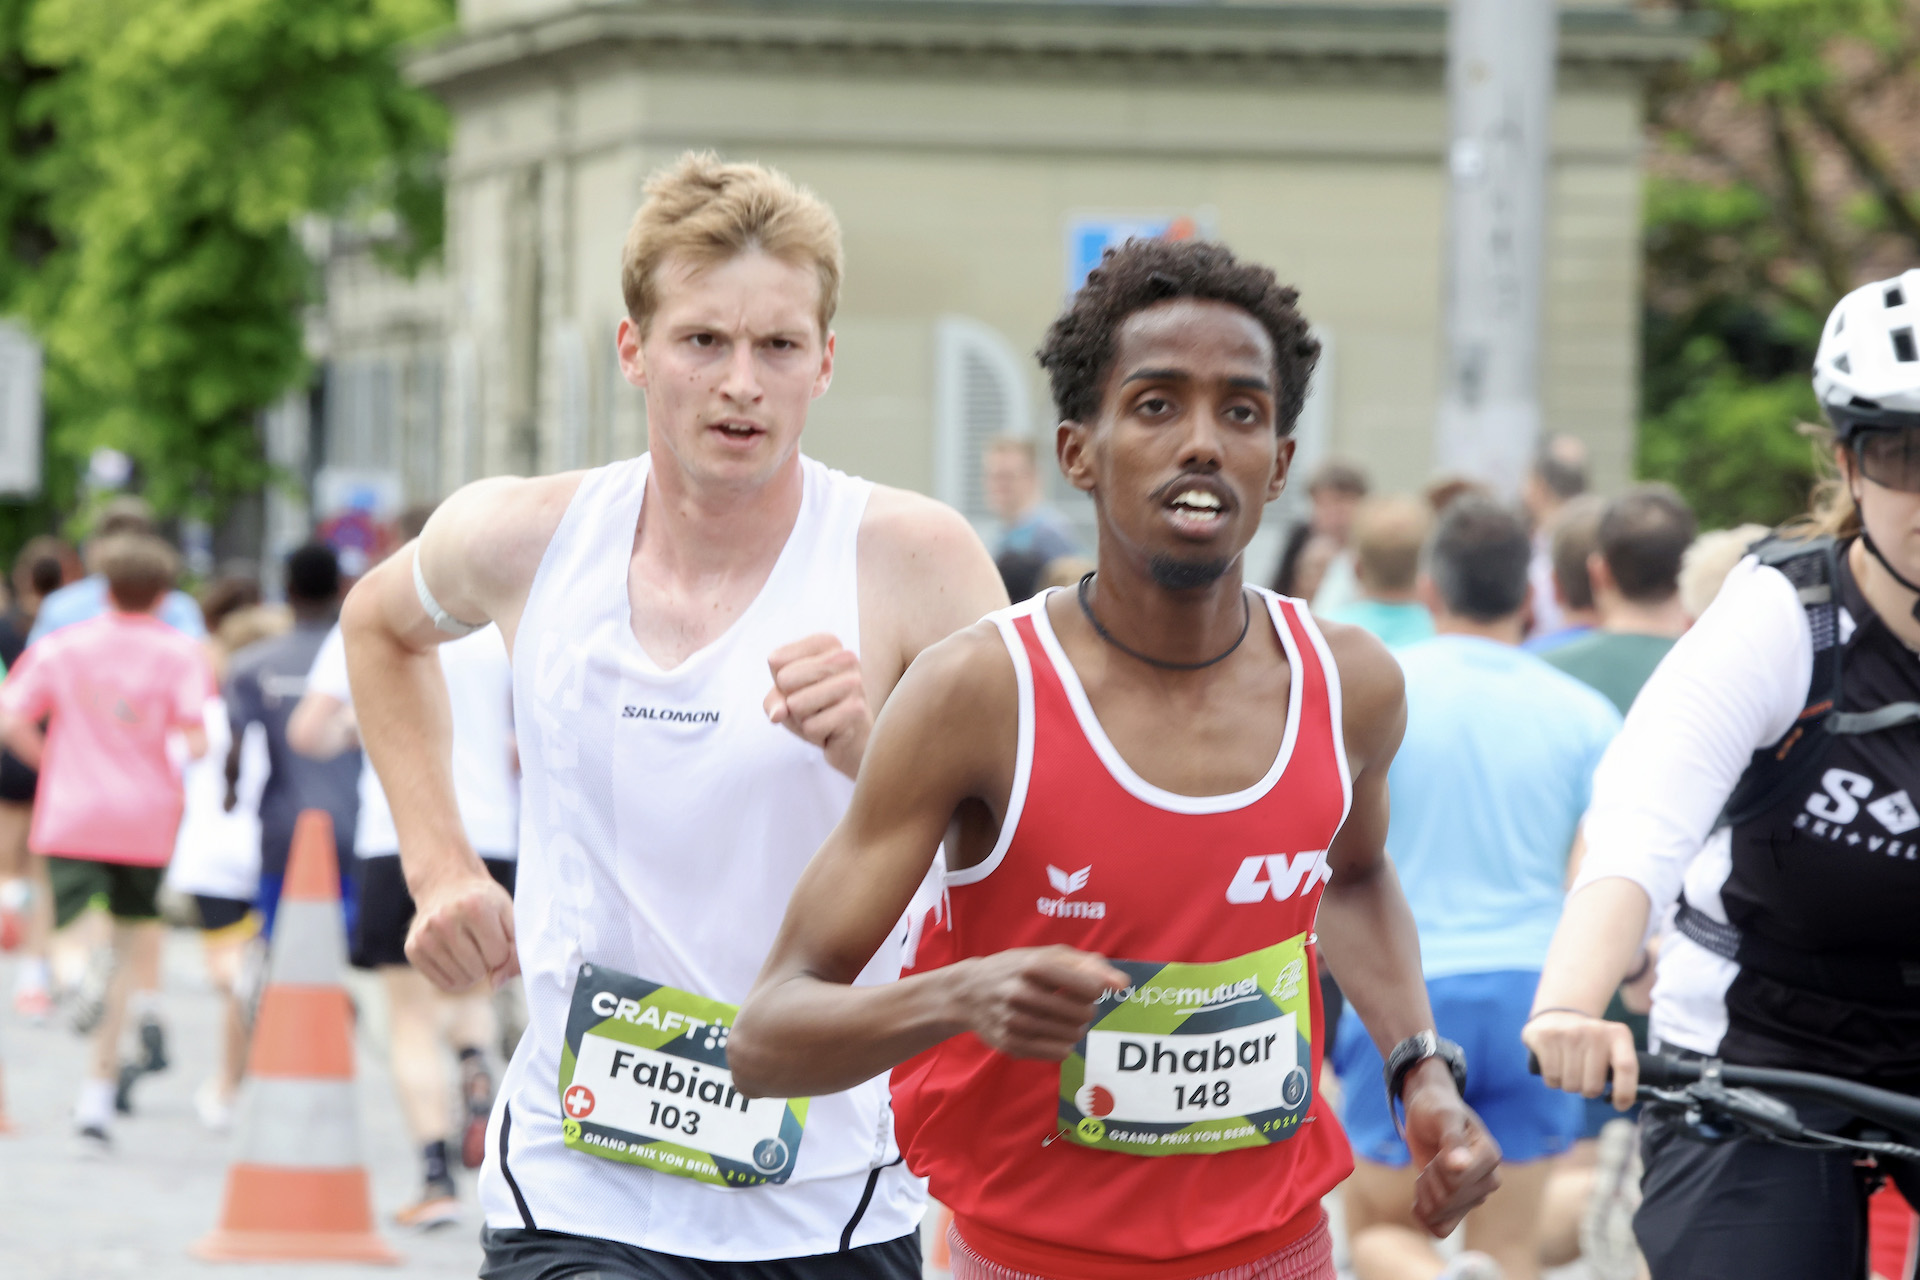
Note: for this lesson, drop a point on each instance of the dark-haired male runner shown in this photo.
(1166, 767)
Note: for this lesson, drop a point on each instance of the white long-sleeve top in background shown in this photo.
(1733, 684)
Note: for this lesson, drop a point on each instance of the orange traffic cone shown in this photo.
(297, 1190)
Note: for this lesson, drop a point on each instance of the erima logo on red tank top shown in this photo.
(1286, 876)
(1066, 883)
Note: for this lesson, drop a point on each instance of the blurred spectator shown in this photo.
(1641, 537)
(1387, 536)
(264, 684)
(1443, 491)
(1012, 477)
(1573, 538)
(87, 598)
(1636, 590)
(1708, 562)
(113, 690)
(235, 587)
(1488, 789)
(1020, 571)
(1311, 565)
(1335, 491)
(216, 858)
(38, 571)
(1558, 475)
(1064, 572)
(43, 566)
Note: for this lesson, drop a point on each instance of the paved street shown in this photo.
(66, 1215)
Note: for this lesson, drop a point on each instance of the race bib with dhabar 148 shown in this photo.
(1195, 1058)
(644, 1080)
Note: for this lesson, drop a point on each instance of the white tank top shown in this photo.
(664, 824)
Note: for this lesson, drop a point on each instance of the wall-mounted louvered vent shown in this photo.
(980, 391)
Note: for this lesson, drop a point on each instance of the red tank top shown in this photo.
(1188, 1129)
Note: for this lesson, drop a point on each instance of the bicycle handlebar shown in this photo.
(1896, 1111)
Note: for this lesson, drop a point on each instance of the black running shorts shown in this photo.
(217, 914)
(131, 893)
(385, 909)
(17, 781)
(1744, 1209)
(516, 1254)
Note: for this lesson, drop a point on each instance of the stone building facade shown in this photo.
(975, 151)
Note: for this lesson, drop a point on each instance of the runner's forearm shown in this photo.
(1594, 945)
(1368, 936)
(406, 727)
(804, 1037)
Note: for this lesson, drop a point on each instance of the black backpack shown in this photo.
(1813, 567)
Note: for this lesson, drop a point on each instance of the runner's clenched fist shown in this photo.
(818, 693)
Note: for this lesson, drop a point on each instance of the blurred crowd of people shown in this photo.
(159, 748)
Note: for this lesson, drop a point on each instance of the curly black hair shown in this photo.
(1079, 350)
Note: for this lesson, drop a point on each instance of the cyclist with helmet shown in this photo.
(1762, 798)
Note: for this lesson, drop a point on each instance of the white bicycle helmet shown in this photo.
(1867, 371)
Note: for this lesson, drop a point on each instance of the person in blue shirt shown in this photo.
(1488, 790)
(87, 598)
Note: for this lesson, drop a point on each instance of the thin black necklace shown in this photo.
(1246, 622)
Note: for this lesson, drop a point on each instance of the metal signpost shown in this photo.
(1500, 67)
(20, 364)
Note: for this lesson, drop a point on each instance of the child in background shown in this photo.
(113, 690)
(216, 859)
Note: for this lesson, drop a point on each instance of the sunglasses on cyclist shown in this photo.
(1889, 458)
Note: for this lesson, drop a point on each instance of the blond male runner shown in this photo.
(701, 637)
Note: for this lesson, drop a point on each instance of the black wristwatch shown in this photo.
(1413, 1051)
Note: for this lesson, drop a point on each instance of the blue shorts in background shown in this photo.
(1483, 1014)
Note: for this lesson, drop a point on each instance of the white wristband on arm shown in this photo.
(442, 620)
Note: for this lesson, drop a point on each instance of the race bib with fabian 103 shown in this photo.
(1195, 1058)
(644, 1080)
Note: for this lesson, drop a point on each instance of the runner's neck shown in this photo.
(1173, 626)
(693, 534)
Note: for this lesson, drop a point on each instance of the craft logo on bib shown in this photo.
(644, 1080)
(1195, 1058)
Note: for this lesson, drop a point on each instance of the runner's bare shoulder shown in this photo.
(495, 531)
(918, 544)
(924, 574)
(1373, 691)
(959, 703)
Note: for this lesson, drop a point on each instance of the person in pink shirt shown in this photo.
(115, 691)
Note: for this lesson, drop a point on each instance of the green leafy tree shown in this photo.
(182, 144)
(1783, 174)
